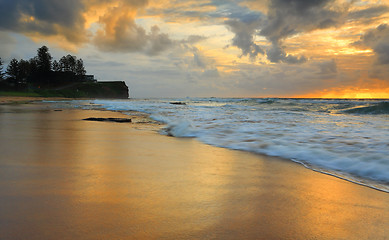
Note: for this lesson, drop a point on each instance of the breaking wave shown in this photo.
(379, 108)
(345, 138)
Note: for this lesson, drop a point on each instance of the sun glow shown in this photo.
(350, 93)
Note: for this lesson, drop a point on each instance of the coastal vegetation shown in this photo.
(45, 77)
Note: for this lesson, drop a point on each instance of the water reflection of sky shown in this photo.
(66, 178)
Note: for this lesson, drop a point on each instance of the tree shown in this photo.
(1, 69)
(68, 63)
(63, 64)
(13, 69)
(72, 62)
(44, 59)
(33, 65)
(80, 69)
(56, 66)
(24, 70)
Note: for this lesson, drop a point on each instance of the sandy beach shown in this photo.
(65, 178)
(21, 100)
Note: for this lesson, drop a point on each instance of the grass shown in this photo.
(19, 94)
(80, 90)
(44, 93)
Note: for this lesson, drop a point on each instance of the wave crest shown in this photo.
(379, 108)
(182, 129)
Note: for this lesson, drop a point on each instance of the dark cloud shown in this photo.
(382, 51)
(129, 37)
(376, 35)
(328, 68)
(278, 54)
(377, 39)
(201, 61)
(244, 37)
(289, 17)
(46, 17)
(124, 36)
(242, 21)
(284, 19)
(157, 42)
(192, 39)
(369, 13)
(120, 33)
(65, 18)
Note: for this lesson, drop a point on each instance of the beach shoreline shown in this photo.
(5, 100)
(77, 179)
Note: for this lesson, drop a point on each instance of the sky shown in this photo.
(212, 48)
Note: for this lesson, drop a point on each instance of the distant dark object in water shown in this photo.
(178, 103)
(119, 120)
(57, 110)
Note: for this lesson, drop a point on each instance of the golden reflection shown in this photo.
(111, 181)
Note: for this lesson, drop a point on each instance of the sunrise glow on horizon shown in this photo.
(245, 48)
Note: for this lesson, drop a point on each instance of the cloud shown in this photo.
(203, 64)
(244, 37)
(277, 54)
(290, 17)
(369, 14)
(157, 42)
(118, 31)
(7, 43)
(285, 18)
(382, 51)
(328, 69)
(195, 63)
(68, 21)
(377, 39)
(192, 39)
(44, 17)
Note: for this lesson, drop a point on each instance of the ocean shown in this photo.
(348, 139)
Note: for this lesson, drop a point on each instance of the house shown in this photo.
(90, 78)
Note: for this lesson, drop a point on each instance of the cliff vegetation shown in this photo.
(41, 76)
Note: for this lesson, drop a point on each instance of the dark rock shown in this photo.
(178, 103)
(119, 120)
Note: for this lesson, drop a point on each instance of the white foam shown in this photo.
(182, 128)
(318, 133)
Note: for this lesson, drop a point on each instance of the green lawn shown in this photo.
(19, 94)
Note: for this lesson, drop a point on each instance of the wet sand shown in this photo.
(65, 178)
(21, 100)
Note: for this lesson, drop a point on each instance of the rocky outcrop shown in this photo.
(119, 120)
(113, 89)
(178, 103)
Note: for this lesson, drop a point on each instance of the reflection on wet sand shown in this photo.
(64, 178)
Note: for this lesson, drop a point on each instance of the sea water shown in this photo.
(344, 138)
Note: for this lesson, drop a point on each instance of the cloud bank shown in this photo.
(115, 29)
(44, 17)
(273, 46)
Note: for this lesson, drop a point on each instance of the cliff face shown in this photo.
(114, 89)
